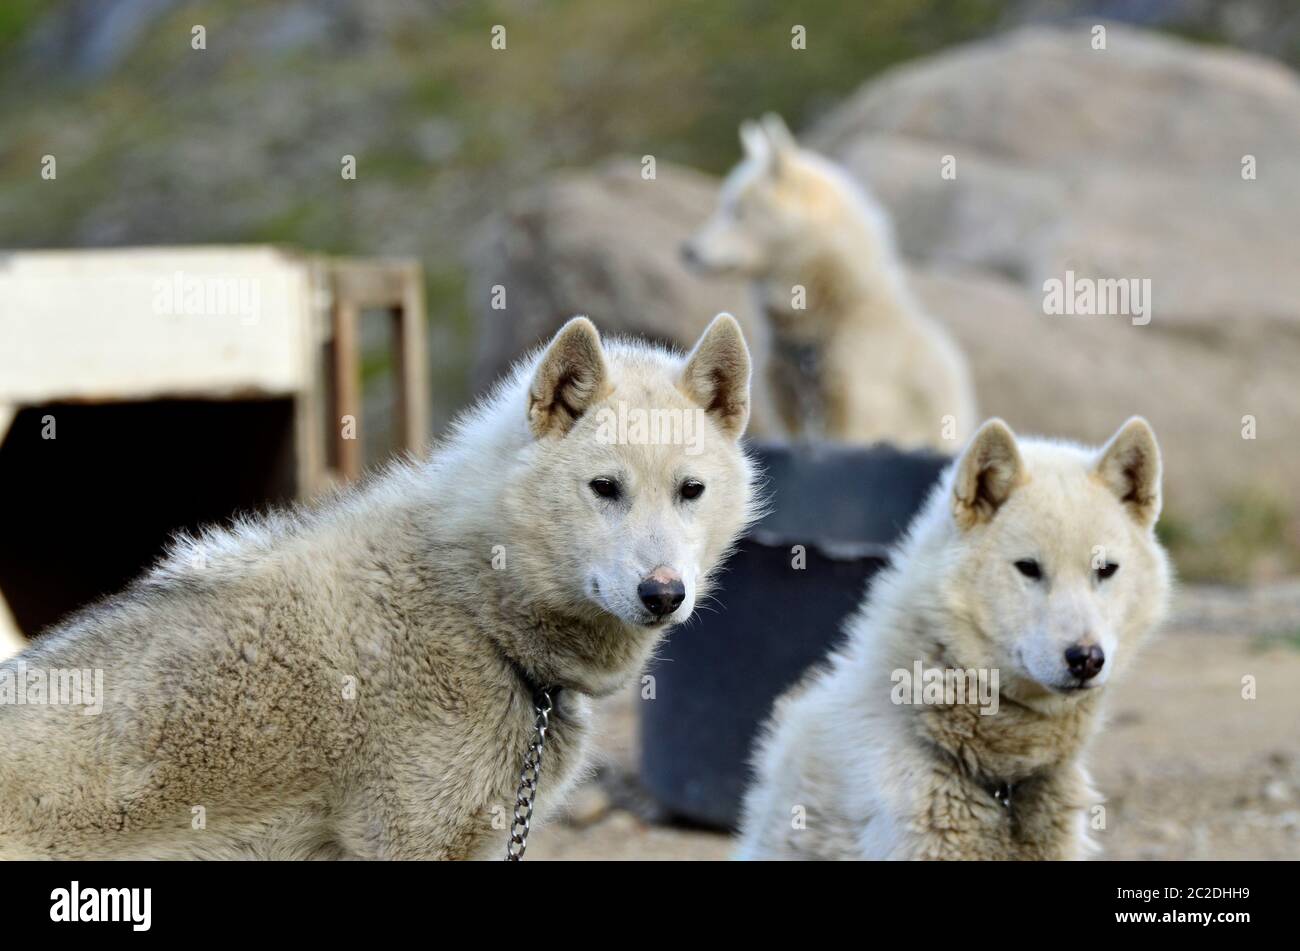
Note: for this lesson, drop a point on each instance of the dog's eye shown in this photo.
(1106, 570)
(692, 489)
(1029, 568)
(605, 488)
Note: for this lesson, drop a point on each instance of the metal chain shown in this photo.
(528, 778)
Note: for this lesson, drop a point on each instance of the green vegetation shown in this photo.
(17, 18)
(1251, 534)
(1289, 640)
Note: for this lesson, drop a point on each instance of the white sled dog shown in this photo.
(358, 680)
(1035, 561)
(854, 356)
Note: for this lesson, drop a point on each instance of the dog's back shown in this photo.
(225, 673)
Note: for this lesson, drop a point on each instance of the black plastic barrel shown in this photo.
(716, 678)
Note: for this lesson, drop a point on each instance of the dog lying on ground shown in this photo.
(854, 357)
(358, 680)
(1035, 565)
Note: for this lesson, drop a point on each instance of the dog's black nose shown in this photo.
(661, 598)
(1085, 662)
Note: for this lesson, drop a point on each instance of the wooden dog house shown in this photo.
(144, 391)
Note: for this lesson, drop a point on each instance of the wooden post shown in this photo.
(410, 371)
(398, 288)
(347, 384)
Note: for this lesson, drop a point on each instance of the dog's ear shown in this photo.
(781, 143)
(778, 133)
(987, 473)
(1129, 466)
(569, 378)
(716, 375)
(753, 140)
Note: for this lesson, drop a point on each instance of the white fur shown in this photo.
(878, 779)
(342, 681)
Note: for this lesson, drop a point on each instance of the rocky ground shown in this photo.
(1189, 768)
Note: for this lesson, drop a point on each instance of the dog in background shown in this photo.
(854, 357)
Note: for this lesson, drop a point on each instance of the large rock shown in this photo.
(1080, 377)
(1122, 163)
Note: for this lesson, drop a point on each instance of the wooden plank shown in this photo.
(311, 406)
(142, 323)
(410, 369)
(347, 386)
(371, 285)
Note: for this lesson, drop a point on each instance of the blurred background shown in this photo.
(523, 168)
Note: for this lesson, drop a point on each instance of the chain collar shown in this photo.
(1002, 793)
(530, 774)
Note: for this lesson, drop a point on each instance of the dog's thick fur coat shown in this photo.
(847, 771)
(355, 680)
(854, 357)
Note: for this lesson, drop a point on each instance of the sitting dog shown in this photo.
(1034, 566)
(359, 680)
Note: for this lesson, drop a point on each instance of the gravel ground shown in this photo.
(1189, 768)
